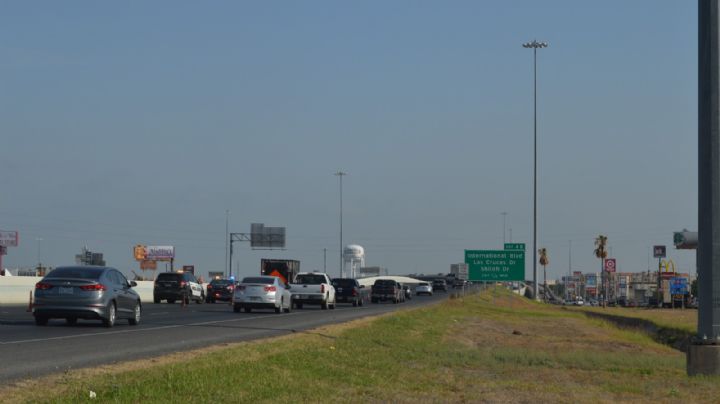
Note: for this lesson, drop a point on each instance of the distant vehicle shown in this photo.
(408, 292)
(286, 270)
(440, 284)
(424, 288)
(349, 290)
(87, 292)
(313, 288)
(460, 283)
(579, 302)
(262, 292)
(386, 290)
(172, 286)
(220, 289)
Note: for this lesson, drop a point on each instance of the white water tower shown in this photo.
(353, 260)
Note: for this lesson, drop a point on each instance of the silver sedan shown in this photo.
(89, 292)
(262, 292)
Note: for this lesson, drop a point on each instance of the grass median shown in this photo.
(489, 347)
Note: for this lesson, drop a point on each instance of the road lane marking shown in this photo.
(164, 327)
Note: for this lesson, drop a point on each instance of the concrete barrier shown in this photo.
(16, 289)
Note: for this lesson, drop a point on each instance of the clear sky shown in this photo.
(143, 122)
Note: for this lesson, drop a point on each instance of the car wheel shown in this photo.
(355, 303)
(236, 308)
(109, 321)
(137, 312)
(40, 320)
(333, 305)
(361, 302)
(186, 299)
(248, 310)
(201, 299)
(71, 320)
(279, 310)
(156, 300)
(324, 305)
(289, 307)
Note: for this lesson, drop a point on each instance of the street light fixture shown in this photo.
(341, 174)
(535, 45)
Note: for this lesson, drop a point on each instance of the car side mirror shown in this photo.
(133, 284)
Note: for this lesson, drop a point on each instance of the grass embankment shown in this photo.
(478, 348)
(681, 319)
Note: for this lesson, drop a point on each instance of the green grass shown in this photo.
(479, 348)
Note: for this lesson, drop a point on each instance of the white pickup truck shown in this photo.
(313, 288)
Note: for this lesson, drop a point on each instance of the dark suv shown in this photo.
(172, 286)
(440, 284)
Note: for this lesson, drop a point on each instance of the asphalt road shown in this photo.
(27, 350)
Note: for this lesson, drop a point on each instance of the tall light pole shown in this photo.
(38, 239)
(341, 174)
(535, 45)
(227, 242)
(504, 214)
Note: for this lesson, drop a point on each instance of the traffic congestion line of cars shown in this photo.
(105, 294)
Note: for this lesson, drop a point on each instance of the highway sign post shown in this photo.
(514, 246)
(495, 265)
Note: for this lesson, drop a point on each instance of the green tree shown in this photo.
(544, 261)
(601, 253)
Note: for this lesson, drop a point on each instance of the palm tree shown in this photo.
(601, 252)
(544, 261)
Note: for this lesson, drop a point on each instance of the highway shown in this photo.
(27, 350)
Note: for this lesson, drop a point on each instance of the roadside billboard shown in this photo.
(160, 252)
(590, 281)
(8, 238)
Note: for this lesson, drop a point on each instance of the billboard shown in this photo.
(160, 252)
(590, 281)
(266, 237)
(8, 238)
(678, 286)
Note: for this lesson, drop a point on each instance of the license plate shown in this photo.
(254, 297)
(66, 291)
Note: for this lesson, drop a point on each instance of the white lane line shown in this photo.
(165, 327)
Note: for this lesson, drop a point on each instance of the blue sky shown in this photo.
(143, 122)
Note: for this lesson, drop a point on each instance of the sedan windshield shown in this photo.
(258, 279)
(79, 273)
(310, 279)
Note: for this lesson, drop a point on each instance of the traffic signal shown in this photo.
(685, 240)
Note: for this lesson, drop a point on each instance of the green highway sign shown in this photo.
(495, 265)
(515, 246)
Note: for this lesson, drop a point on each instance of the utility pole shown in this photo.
(341, 174)
(534, 45)
(703, 357)
(227, 242)
(325, 260)
(504, 214)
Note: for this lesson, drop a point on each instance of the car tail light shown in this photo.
(209, 286)
(231, 288)
(270, 288)
(322, 288)
(354, 292)
(96, 286)
(182, 284)
(43, 286)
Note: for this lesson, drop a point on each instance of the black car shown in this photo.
(349, 290)
(220, 289)
(440, 284)
(173, 286)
